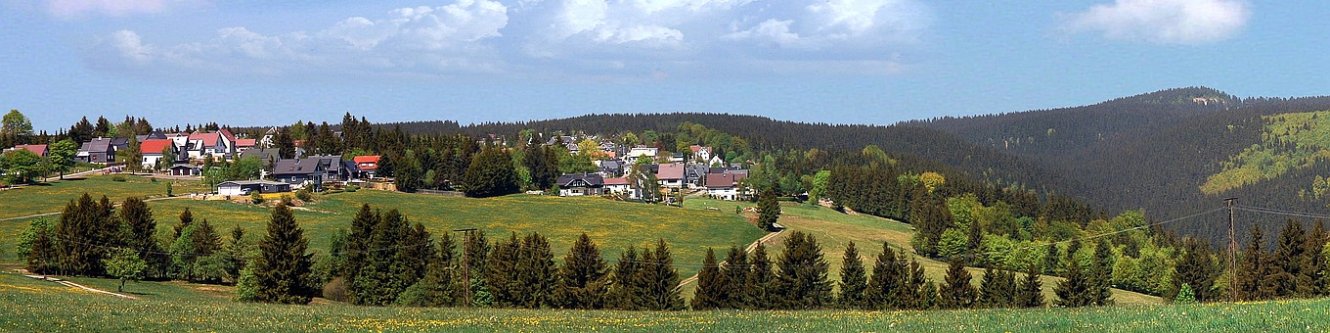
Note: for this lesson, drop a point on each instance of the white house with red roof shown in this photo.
(219, 144)
(40, 150)
(152, 149)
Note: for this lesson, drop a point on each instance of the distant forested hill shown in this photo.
(1171, 152)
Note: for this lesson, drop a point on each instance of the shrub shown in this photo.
(255, 197)
(352, 188)
(304, 195)
(118, 178)
(336, 290)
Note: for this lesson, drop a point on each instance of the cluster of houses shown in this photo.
(701, 172)
(191, 149)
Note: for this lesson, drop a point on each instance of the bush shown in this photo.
(247, 289)
(336, 290)
(118, 178)
(255, 197)
(304, 195)
(352, 188)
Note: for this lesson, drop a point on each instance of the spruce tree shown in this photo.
(237, 251)
(475, 256)
(281, 271)
(802, 278)
(1289, 254)
(758, 286)
(957, 292)
(659, 280)
(584, 279)
(888, 277)
(1051, 259)
(135, 214)
(1074, 291)
(1312, 277)
(768, 210)
(382, 278)
(1195, 268)
(1101, 275)
(537, 276)
(186, 217)
(355, 248)
(501, 271)
(83, 236)
(709, 283)
(623, 292)
(989, 289)
(436, 288)
(853, 283)
(735, 276)
(917, 291)
(1031, 292)
(1252, 268)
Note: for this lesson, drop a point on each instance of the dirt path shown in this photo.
(749, 249)
(74, 285)
(17, 218)
(77, 174)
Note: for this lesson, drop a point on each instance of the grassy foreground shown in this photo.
(31, 305)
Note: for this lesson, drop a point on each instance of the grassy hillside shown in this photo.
(52, 197)
(31, 305)
(613, 225)
(834, 231)
(1289, 142)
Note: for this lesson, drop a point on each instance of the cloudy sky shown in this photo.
(250, 62)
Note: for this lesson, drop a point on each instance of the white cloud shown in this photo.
(1164, 21)
(78, 8)
(448, 39)
(772, 31)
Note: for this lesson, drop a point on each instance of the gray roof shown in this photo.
(97, 145)
(330, 164)
(251, 182)
(593, 179)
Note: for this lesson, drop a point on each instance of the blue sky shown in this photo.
(839, 61)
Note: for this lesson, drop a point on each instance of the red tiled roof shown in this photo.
(367, 162)
(227, 133)
(40, 150)
(670, 171)
(616, 181)
(209, 138)
(246, 142)
(154, 146)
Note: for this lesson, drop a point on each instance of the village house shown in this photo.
(245, 187)
(97, 150)
(366, 166)
(671, 175)
(311, 171)
(609, 168)
(621, 186)
(725, 185)
(640, 152)
(40, 150)
(700, 154)
(152, 149)
(219, 144)
(580, 184)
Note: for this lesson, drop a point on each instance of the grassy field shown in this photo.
(835, 230)
(613, 225)
(32, 305)
(52, 197)
(1308, 131)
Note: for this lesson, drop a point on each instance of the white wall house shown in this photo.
(640, 152)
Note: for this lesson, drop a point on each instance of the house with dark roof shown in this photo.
(245, 187)
(97, 150)
(610, 168)
(695, 175)
(580, 184)
(726, 184)
(314, 171)
(155, 135)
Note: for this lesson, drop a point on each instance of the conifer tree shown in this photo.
(501, 271)
(1051, 259)
(989, 289)
(381, 279)
(768, 210)
(281, 271)
(1196, 269)
(853, 283)
(1074, 291)
(659, 280)
(957, 292)
(185, 219)
(1312, 277)
(237, 251)
(536, 275)
(1252, 268)
(709, 283)
(1287, 265)
(135, 214)
(1101, 274)
(888, 278)
(802, 278)
(414, 253)
(1031, 292)
(436, 288)
(355, 249)
(84, 233)
(918, 291)
(623, 292)
(735, 276)
(476, 252)
(584, 280)
(758, 286)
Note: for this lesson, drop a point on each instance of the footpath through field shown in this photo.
(749, 249)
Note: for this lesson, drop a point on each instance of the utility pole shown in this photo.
(1232, 253)
(466, 266)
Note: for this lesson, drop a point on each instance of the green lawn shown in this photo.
(30, 305)
(52, 197)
